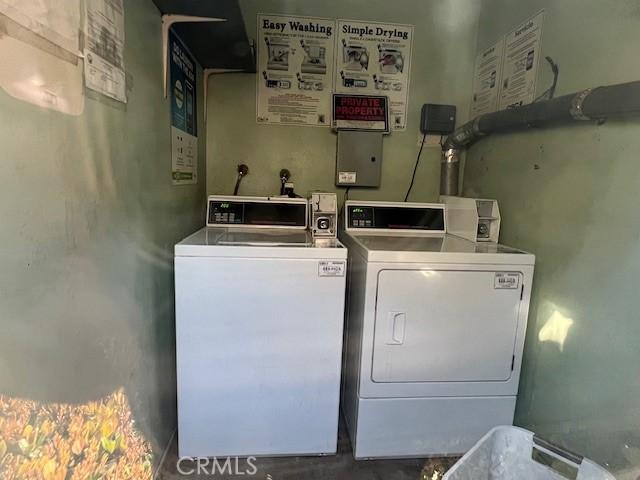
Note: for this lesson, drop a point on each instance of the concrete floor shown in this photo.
(334, 467)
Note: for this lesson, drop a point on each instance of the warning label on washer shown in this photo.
(506, 281)
(331, 269)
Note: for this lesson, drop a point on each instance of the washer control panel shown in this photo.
(265, 212)
(226, 212)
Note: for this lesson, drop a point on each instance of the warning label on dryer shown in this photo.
(331, 269)
(506, 281)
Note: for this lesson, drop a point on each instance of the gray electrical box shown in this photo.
(358, 159)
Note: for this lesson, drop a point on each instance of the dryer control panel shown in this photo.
(398, 216)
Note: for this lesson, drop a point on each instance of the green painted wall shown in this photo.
(569, 195)
(89, 220)
(441, 67)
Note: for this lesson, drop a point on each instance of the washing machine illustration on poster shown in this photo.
(271, 82)
(278, 53)
(315, 61)
(308, 83)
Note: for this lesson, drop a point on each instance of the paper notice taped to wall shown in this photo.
(295, 70)
(104, 48)
(486, 80)
(522, 52)
(375, 59)
(39, 47)
(56, 21)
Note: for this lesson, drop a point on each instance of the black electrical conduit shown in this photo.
(596, 104)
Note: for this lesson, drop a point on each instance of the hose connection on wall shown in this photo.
(243, 171)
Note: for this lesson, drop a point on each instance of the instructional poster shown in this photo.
(520, 63)
(375, 59)
(486, 80)
(182, 88)
(295, 70)
(104, 48)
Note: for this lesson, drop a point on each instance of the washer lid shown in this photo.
(274, 243)
(274, 238)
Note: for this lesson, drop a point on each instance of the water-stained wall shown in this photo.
(89, 220)
(568, 194)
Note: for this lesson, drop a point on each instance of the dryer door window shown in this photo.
(445, 326)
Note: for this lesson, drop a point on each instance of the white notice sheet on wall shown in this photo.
(58, 22)
(104, 48)
(522, 53)
(486, 80)
(295, 70)
(375, 59)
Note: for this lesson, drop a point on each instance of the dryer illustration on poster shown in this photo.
(376, 59)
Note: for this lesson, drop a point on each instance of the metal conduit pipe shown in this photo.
(600, 103)
(449, 171)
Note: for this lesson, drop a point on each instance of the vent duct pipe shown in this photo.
(599, 104)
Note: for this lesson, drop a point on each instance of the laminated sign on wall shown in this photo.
(182, 87)
(295, 70)
(375, 59)
(522, 52)
(486, 80)
(104, 48)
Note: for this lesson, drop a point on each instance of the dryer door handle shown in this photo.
(396, 321)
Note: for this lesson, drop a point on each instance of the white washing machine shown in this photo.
(259, 326)
(435, 332)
